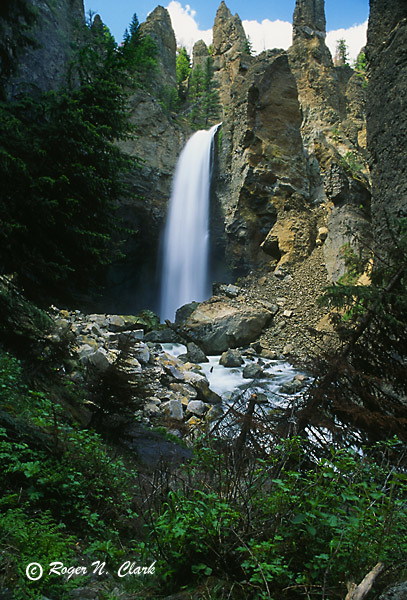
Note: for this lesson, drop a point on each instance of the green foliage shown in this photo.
(55, 478)
(351, 163)
(336, 134)
(147, 319)
(283, 527)
(360, 67)
(33, 538)
(341, 54)
(188, 530)
(220, 138)
(248, 46)
(139, 52)
(183, 65)
(22, 323)
(203, 95)
(169, 99)
(360, 62)
(62, 173)
(365, 382)
(354, 265)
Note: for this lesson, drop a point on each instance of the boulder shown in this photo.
(197, 407)
(142, 353)
(101, 359)
(173, 408)
(252, 370)
(195, 354)
(396, 592)
(217, 324)
(131, 336)
(292, 387)
(205, 392)
(226, 289)
(231, 358)
(184, 389)
(162, 336)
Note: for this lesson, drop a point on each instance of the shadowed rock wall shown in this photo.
(387, 112)
(57, 33)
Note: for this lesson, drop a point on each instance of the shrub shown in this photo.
(283, 527)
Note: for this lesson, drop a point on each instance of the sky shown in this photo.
(266, 22)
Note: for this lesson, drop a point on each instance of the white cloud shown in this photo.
(263, 35)
(268, 34)
(185, 26)
(355, 38)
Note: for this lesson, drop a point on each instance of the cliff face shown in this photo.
(263, 187)
(229, 60)
(158, 27)
(57, 33)
(332, 101)
(293, 146)
(386, 112)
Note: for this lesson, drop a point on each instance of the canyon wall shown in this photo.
(57, 34)
(291, 157)
(386, 113)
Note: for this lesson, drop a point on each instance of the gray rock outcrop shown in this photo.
(57, 31)
(263, 184)
(309, 18)
(386, 112)
(200, 54)
(396, 592)
(158, 26)
(332, 100)
(218, 324)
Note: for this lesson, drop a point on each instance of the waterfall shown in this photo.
(184, 276)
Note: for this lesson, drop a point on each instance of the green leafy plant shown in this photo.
(351, 163)
(203, 96)
(58, 477)
(283, 526)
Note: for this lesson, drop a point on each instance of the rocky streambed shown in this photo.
(167, 384)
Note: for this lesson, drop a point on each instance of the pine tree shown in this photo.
(62, 171)
(203, 95)
(139, 52)
(183, 67)
(341, 54)
(363, 385)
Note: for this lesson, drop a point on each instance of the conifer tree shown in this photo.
(62, 172)
(183, 70)
(341, 54)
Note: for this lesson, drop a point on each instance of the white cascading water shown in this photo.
(184, 275)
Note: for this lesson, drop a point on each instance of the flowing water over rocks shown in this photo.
(156, 385)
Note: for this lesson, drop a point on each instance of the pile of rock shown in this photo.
(176, 392)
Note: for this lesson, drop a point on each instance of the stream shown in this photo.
(277, 384)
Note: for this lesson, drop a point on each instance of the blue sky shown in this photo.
(193, 20)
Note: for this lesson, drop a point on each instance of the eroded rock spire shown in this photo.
(309, 18)
(158, 26)
(228, 32)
